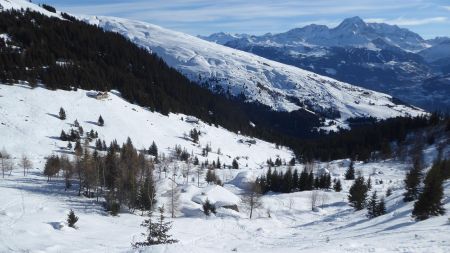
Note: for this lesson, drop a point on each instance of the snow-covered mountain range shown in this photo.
(280, 86)
(233, 72)
(376, 56)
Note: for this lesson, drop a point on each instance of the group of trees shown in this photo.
(376, 207)
(429, 199)
(7, 163)
(123, 175)
(291, 181)
(358, 198)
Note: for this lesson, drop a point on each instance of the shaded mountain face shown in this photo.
(377, 56)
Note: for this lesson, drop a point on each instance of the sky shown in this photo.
(428, 18)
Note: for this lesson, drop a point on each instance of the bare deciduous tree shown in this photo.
(314, 198)
(5, 162)
(174, 200)
(26, 164)
(252, 198)
(187, 170)
(200, 171)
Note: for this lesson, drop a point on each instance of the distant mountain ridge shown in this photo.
(228, 71)
(377, 56)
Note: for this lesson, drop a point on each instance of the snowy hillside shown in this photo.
(33, 211)
(25, 4)
(277, 85)
(29, 114)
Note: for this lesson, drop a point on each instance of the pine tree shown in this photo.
(62, 114)
(208, 208)
(412, 182)
(295, 181)
(429, 202)
(372, 206)
(358, 193)
(350, 173)
(101, 122)
(381, 207)
(303, 181)
(78, 149)
(63, 136)
(292, 161)
(287, 184)
(369, 184)
(337, 186)
(72, 219)
(389, 192)
(157, 232)
(153, 150)
(235, 164)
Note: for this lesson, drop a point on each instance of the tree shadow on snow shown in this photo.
(91, 122)
(53, 115)
(56, 189)
(54, 137)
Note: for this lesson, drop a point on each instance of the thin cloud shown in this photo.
(409, 21)
(258, 16)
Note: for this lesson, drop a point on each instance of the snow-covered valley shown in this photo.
(33, 211)
(112, 163)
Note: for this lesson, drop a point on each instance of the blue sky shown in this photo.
(429, 18)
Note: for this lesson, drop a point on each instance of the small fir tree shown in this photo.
(337, 186)
(350, 173)
(157, 232)
(153, 150)
(372, 206)
(101, 122)
(235, 164)
(72, 219)
(381, 207)
(62, 114)
(358, 193)
(208, 208)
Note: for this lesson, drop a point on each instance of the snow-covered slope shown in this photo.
(30, 114)
(277, 85)
(33, 211)
(25, 4)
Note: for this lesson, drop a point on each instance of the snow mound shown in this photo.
(243, 179)
(217, 195)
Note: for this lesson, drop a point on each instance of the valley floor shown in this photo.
(33, 213)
